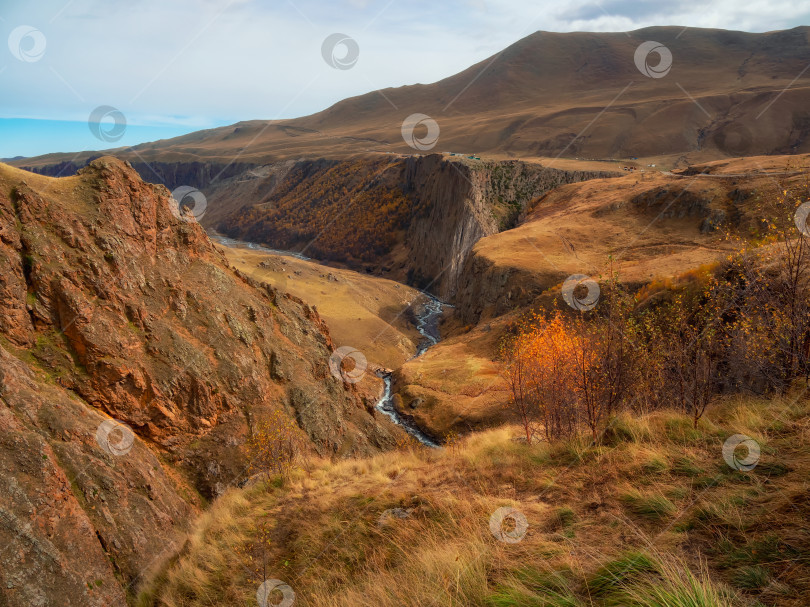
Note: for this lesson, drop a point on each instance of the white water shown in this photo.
(427, 323)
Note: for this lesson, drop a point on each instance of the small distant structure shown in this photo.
(460, 155)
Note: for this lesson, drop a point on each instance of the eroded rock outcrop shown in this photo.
(464, 202)
(78, 525)
(116, 307)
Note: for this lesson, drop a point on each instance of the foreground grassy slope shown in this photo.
(653, 516)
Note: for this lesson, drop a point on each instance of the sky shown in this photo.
(161, 68)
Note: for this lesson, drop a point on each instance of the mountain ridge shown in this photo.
(716, 74)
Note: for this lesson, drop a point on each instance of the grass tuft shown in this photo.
(653, 506)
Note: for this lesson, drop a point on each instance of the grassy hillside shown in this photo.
(653, 516)
(360, 310)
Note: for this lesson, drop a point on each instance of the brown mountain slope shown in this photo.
(569, 94)
(112, 307)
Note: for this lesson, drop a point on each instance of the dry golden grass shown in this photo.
(650, 225)
(365, 312)
(458, 382)
(725, 538)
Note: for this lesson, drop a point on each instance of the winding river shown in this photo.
(427, 323)
(233, 243)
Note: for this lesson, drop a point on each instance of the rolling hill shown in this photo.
(551, 94)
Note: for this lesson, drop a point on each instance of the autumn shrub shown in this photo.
(275, 445)
(742, 325)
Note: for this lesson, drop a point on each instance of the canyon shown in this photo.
(141, 343)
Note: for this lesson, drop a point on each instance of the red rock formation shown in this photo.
(114, 307)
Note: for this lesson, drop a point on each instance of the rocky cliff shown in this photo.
(134, 362)
(465, 201)
(192, 173)
(410, 218)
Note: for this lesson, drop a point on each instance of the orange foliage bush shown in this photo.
(743, 325)
(275, 445)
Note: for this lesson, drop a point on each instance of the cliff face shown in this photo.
(115, 309)
(195, 174)
(464, 202)
(409, 218)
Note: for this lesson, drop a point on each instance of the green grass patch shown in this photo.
(615, 575)
(769, 549)
(681, 431)
(685, 466)
(652, 506)
(565, 516)
(531, 587)
(654, 466)
(751, 577)
(772, 469)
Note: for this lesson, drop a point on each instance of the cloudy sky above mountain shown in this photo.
(173, 66)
